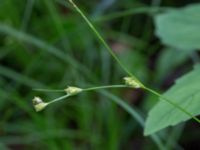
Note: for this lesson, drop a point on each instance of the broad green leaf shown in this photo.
(185, 93)
(180, 28)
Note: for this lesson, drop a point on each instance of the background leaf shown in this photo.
(185, 93)
(180, 28)
(164, 67)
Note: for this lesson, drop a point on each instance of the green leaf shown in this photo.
(180, 28)
(185, 93)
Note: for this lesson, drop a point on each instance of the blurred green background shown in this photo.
(46, 44)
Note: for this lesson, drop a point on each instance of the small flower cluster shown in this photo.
(71, 90)
(130, 81)
(39, 104)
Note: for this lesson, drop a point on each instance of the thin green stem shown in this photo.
(172, 103)
(85, 89)
(58, 99)
(50, 90)
(105, 87)
(122, 86)
(102, 40)
(123, 67)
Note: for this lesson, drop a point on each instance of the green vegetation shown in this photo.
(48, 50)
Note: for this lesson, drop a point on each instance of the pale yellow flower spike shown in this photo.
(129, 81)
(71, 90)
(39, 104)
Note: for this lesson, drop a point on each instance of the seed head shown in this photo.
(71, 90)
(132, 82)
(38, 104)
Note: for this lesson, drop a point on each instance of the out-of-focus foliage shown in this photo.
(177, 28)
(185, 93)
(180, 28)
(46, 44)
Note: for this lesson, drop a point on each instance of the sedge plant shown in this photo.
(131, 81)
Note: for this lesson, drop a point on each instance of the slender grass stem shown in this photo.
(105, 87)
(85, 89)
(123, 67)
(58, 99)
(172, 103)
(102, 40)
(49, 90)
(121, 86)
